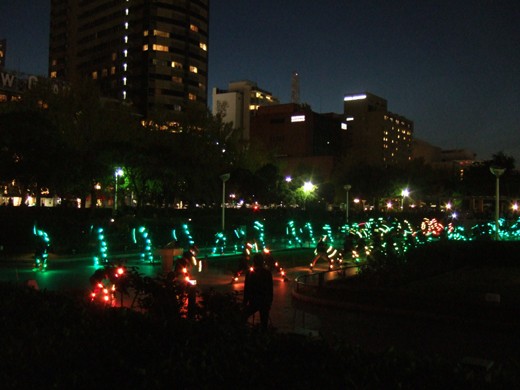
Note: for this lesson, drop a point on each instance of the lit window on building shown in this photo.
(298, 118)
(125, 39)
(176, 65)
(193, 69)
(126, 25)
(157, 47)
(94, 75)
(192, 96)
(194, 28)
(145, 47)
(203, 46)
(113, 70)
(159, 33)
(54, 75)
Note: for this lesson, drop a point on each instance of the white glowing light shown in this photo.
(354, 97)
(298, 118)
(308, 186)
(350, 118)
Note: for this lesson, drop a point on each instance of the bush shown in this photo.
(55, 340)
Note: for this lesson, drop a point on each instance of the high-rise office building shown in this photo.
(377, 135)
(149, 53)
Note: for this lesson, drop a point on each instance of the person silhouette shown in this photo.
(258, 291)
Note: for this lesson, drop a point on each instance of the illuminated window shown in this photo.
(160, 48)
(194, 28)
(113, 70)
(176, 65)
(298, 118)
(94, 75)
(159, 33)
(125, 39)
(126, 12)
(193, 69)
(54, 75)
(145, 33)
(125, 53)
(192, 96)
(145, 47)
(125, 66)
(124, 80)
(126, 25)
(203, 46)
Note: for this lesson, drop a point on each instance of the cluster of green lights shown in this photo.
(101, 257)
(42, 248)
(388, 236)
(144, 241)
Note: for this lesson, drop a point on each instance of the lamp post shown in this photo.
(225, 177)
(497, 171)
(347, 188)
(118, 173)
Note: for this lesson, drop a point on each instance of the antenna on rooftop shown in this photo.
(295, 88)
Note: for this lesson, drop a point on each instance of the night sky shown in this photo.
(453, 67)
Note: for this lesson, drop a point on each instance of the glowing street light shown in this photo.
(347, 188)
(404, 194)
(497, 171)
(225, 177)
(308, 187)
(118, 173)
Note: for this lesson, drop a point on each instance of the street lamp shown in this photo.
(404, 194)
(347, 188)
(118, 173)
(497, 171)
(225, 177)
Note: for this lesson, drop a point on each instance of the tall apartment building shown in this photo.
(377, 135)
(149, 53)
(239, 102)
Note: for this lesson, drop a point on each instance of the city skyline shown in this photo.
(450, 68)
